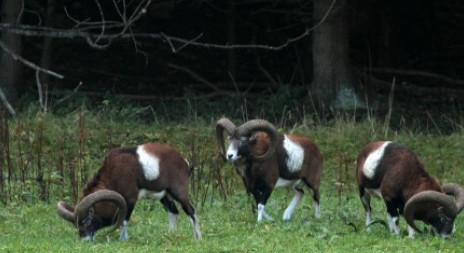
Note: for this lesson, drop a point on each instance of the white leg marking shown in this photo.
(196, 227)
(393, 224)
(374, 192)
(286, 183)
(410, 232)
(88, 238)
(317, 210)
(260, 212)
(267, 216)
(124, 235)
(172, 221)
(368, 221)
(151, 194)
(295, 201)
(366, 202)
(373, 160)
(295, 154)
(149, 163)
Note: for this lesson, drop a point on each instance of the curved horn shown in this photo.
(103, 195)
(65, 211)
(256, 125)
(457, 191)
(229, 127)
(427, 197)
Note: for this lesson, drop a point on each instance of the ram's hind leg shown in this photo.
(366, 201)
(171, 208)
(295, 201)
(314, 189)
(181, 196)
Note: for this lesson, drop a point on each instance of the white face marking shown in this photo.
(151, 194)
(373, 160)
(295, 155)
(232, 151)
(374, 192)
(149, 163)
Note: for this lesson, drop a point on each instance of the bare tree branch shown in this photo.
(28, 63)
(39, 89)
(6, 103)
(84, 33)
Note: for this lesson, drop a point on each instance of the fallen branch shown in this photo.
(420, 73)
(195, 76)
(414, 90)
(157, 98)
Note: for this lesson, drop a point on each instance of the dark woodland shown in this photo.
(152, 52)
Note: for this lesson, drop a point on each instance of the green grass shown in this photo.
(228, 224)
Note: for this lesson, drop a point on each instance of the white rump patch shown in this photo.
(295, 155)
(151, 194)
(373, 160)
(149, 163)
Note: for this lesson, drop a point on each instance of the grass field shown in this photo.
(227, 221)
(227, 226)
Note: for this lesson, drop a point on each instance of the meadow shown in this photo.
(46, 158)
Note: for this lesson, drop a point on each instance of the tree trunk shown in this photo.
(333, 83)
(9, 68)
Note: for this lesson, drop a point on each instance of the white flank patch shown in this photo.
(295, 155)
(373, 160)
(149, 163)
(151, 194)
